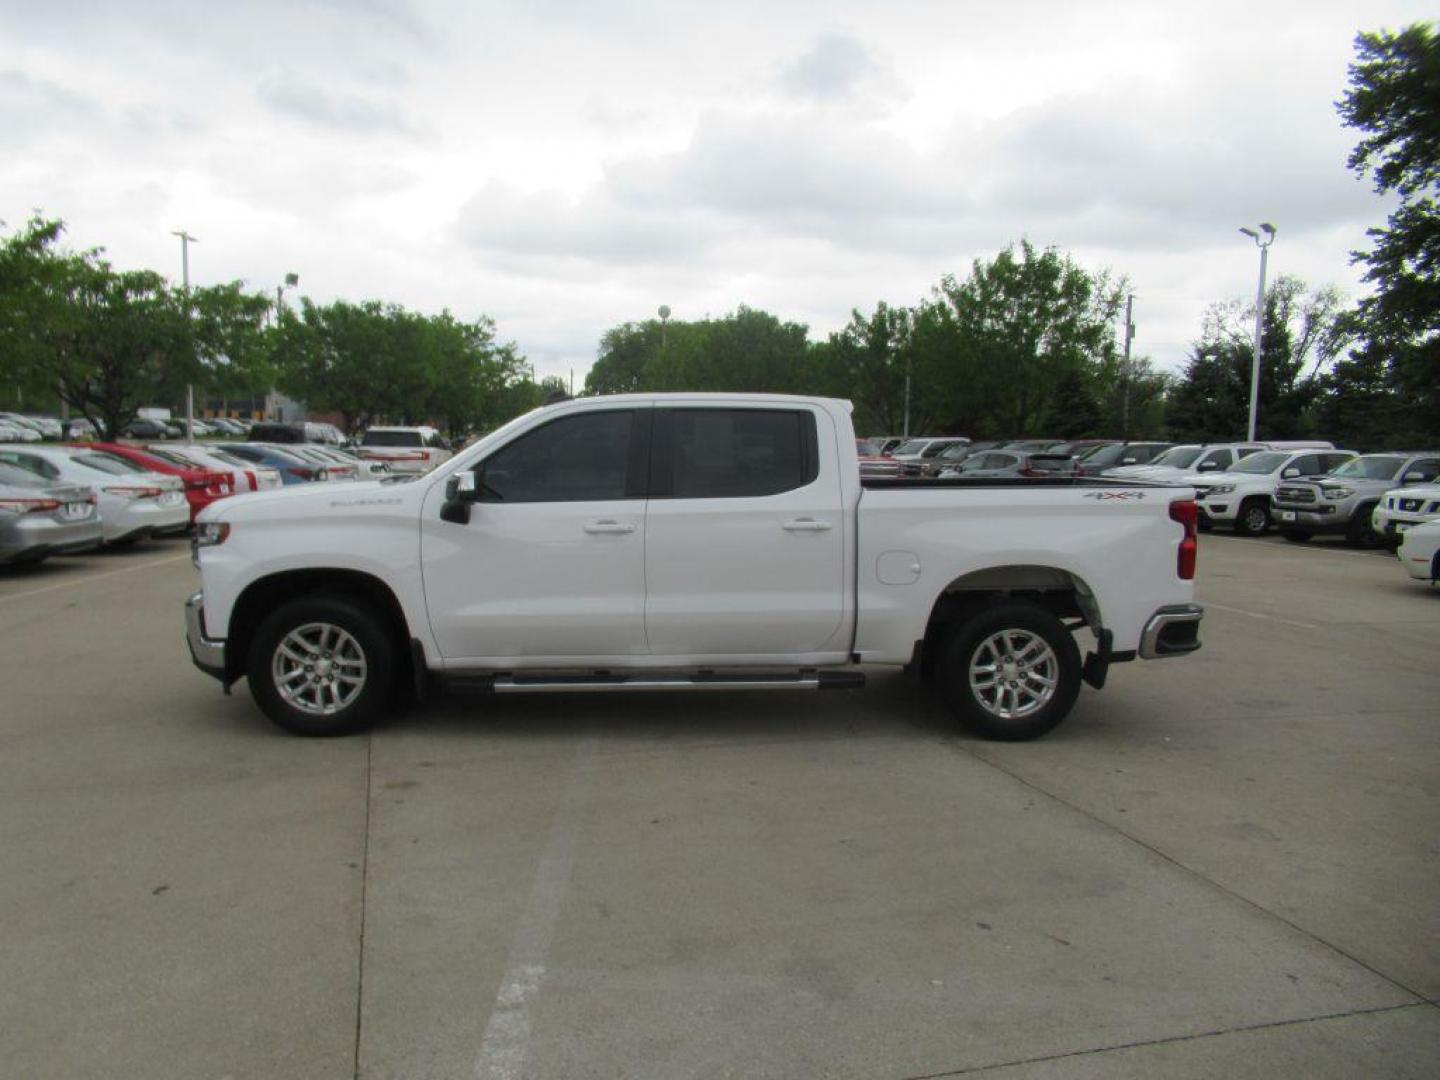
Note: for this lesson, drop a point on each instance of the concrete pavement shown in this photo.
(1222, 865)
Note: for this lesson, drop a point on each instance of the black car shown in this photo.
(147, 429)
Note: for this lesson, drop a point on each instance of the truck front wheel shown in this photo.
(1010, 672)
(321, 665)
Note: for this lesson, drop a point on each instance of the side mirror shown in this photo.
(1129, 461)
(1209, 466)
(462, 487)
(1290, 474)
(461, 490)
(1412, 480)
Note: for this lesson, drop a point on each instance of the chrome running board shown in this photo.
(602, 682)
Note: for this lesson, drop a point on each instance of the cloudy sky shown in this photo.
(567, 165)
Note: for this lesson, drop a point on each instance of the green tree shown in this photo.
(110, 341)
(1017, 326)
(1394, 98)
(1303, 333)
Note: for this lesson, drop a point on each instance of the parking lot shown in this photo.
(1225, 865)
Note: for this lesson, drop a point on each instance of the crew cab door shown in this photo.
(744, 534)
(551, 563)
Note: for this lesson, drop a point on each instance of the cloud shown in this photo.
(288, 95)
(834, 69)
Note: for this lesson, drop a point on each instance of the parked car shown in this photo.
(244, 475)
(915, 455)
(561, 553)
(1031, 446)
(1403, 509)
(202, 486)
(47, 427)
(405, 449)
(1179, 462)
(1239, 497)
(14, 431)
(872, 461)
(308, 431)
(1012, 463)
(1079, 447)
(1095, 462)
(1344, 500)
(132, 502)
(140, 428)
(340, 468)
(1420, 551)
(368, 469)
(293, 468)
(39, 518)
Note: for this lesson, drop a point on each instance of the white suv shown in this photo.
(411, 450)
(1403, 508)
(1239, 497)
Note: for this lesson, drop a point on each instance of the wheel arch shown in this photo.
(265, 594)
(1063, 593)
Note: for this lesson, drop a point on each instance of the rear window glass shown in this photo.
(391, 438)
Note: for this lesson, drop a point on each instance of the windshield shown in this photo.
(1180, 457)
(1104, 455)
(173, 457)
(914, 446)
(102, 463)
(391, 438)
(121, 464)
(1260, 464)
(1370, 468)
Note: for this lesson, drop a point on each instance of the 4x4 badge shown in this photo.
(1104, 495)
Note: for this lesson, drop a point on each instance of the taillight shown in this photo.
(302, 472)
(1187, 514)
(31, 506)
(135, 492)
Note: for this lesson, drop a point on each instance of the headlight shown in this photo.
(1338, 492)
(211, 533)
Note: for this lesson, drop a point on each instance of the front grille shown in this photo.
(1295, 494)
(1412, 505)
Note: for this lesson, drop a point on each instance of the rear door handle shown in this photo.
(606, 525)
(806, 525)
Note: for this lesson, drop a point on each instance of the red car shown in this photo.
(202, 486)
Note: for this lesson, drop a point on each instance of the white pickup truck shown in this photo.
(687, 542)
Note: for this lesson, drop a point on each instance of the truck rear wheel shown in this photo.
(321, 665)
(1011, 672)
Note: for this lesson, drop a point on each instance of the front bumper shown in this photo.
(1172, 631)
(207, 653)
(1324, 517)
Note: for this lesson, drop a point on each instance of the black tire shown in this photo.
(1359, 533)
(972, 642)
(364, 637)
(1296, 536)
(1253, 518)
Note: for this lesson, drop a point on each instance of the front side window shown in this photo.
(580, 458)
(1422, 472)
(1261, 464)
(1178, 457)
(734, 453)
(1370, 467)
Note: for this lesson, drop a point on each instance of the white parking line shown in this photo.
(507, 1034)
(88, 578)
(1261, 615)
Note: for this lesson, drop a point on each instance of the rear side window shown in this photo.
(579, 458)
(733, 453)
(30, 463)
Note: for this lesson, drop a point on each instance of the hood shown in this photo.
(318, 499)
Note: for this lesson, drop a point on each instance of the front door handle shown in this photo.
(806, 525)
(607, 525)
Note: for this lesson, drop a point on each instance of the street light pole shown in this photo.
(1264, 246)
(185, 241)
(1125, 370)
(906, 432)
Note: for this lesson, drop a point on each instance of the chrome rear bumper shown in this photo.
(1172, 631)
